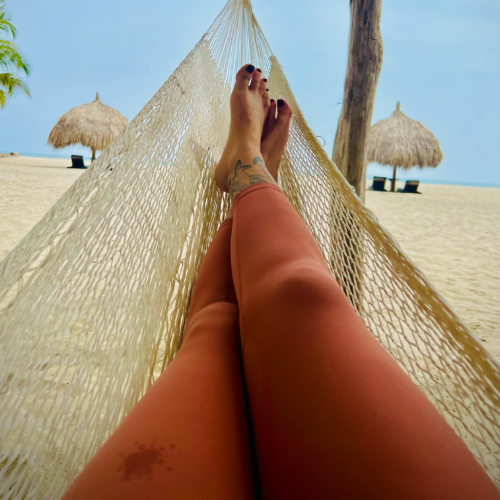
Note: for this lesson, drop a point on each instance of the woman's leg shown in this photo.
(188, 437)
(333, 414)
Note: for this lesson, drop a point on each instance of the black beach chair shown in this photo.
(411, 187)
(77, 162)
(379, 183)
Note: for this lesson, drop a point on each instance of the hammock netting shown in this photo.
(93, 301)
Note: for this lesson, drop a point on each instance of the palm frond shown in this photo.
(11, 61)
(6, 25)
(9, 84)
(11, 57)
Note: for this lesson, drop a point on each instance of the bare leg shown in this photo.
(333, 414)
(188, 437)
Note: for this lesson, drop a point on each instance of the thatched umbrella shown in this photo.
(400, 142)
(94, 125)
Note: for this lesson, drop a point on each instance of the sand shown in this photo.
(450, 232)
(28, 188)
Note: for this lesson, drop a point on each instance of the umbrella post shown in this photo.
(393, 180)
(93, 154)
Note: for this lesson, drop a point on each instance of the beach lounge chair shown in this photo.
(411, 187)
(379, 183)
(77, 162)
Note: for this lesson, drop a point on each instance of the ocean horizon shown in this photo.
(368, 178)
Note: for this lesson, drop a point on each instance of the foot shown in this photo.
(241, 164)
(275, 135)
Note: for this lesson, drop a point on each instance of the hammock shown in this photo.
(93, 301)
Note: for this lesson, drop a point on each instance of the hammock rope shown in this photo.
(93, 301)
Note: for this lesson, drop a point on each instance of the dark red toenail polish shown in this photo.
(272, 100)
(267, 90)
(265, 79)
(250, 68)
(259, 70)
(280, 102)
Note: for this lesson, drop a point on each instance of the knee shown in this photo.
(216, 319)
(303, 287)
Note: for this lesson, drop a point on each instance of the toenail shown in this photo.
(267, 90)
(265, 79)
(250, 68)
(272, 100)
(280, 102)
(259, 70)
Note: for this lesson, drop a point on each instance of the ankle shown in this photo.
(239, 147)
(247, 171)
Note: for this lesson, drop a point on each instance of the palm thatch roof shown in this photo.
(94, 125)
(399, 141)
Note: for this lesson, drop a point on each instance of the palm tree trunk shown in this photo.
(363, 69)
(93, 154)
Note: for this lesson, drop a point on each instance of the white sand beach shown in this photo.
(450, 232)
(28, 188)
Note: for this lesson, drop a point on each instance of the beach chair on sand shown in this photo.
(379, 183)
(411, 187)
(77, 162)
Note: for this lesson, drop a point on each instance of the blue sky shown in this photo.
(441, 60)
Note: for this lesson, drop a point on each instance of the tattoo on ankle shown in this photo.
(248, 175)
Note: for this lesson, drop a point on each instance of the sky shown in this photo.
(441, 60)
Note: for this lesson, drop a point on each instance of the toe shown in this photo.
(244, 76)
(284, 111)
(267, 106)
(271, 114)
(270, 119)
(266, 98)
(256, 77)
(262, 85)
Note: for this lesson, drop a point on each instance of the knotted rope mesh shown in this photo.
(93, 301)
